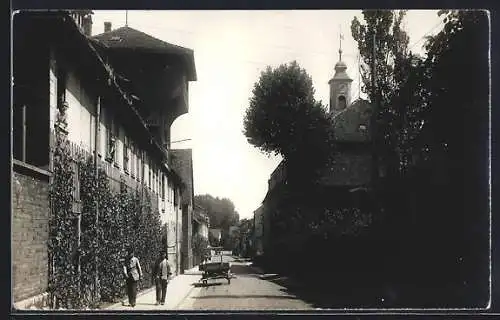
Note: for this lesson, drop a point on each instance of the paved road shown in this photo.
(247, 291)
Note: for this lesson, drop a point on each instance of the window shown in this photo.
(170, 192)
(125, 154)
(115, 134)
(162, 185)
(110, 138)
(149, 174)
(341, 103)
(156, 178)
(31, 105)
(132, 158)
(176, 197)
(138, 162)
(158, 188)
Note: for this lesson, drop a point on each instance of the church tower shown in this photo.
(340, 86)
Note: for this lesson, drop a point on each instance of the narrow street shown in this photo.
(248, 290)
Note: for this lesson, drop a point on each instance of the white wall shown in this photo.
(81, 131)
(203, 230)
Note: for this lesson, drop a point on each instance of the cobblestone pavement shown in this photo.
(248, 290)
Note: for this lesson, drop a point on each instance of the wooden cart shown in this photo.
(215, 269)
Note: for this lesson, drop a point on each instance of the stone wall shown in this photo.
(30, 234)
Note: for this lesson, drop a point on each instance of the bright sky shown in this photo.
(231, 48)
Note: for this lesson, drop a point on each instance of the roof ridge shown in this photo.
(145, 35)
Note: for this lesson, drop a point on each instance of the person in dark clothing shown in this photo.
(161, 274)
(133, 273)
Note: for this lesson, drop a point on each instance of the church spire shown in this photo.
(341, 36)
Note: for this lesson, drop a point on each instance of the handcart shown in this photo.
(215, 269)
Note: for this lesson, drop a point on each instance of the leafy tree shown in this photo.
(221, 211)
(284, 118)
(456, 136)
(435, 124)
(390, 96)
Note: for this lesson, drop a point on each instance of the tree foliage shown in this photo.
(284, 118)
(393, 63)
(221, 211)
(434, 124)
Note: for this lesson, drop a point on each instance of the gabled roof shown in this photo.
(129, 38)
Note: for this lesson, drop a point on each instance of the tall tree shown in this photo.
(456, 131)
(381, 38)
(284, 118)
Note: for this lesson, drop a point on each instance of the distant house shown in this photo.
(182, 163)
(113, 85)
(346, 181)
(216, 233)
(351, 169)
(201, 222)
(200, 225)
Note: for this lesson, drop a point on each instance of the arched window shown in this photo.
(341, 103)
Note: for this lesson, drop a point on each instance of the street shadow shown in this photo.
(209, 284)
(247, 297)
(328, 297)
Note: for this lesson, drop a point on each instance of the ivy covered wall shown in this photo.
(90, 228)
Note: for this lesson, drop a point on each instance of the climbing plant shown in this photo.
(62, 229)
(110, 222)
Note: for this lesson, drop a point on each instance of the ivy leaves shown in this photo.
(124, 218)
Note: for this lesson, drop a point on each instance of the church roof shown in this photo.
(353, 123)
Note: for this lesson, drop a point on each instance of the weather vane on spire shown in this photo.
(341, 38)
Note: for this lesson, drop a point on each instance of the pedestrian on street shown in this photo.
(133, 273)
(162, 273)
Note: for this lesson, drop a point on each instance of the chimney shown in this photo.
(107, 26)
(87, 25)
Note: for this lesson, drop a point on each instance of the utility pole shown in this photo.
(96, 167)
(375, 109)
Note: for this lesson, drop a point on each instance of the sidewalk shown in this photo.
(178, 289)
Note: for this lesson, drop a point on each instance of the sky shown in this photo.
(231, 48)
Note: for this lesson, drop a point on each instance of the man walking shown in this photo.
(133, 273)
(162, 273)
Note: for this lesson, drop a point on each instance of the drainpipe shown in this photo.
(96, 155)
(23, 136)
(177, 253)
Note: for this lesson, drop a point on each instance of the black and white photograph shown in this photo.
(250, 160)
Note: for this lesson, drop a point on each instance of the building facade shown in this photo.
(182, 162)
(78, 72)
